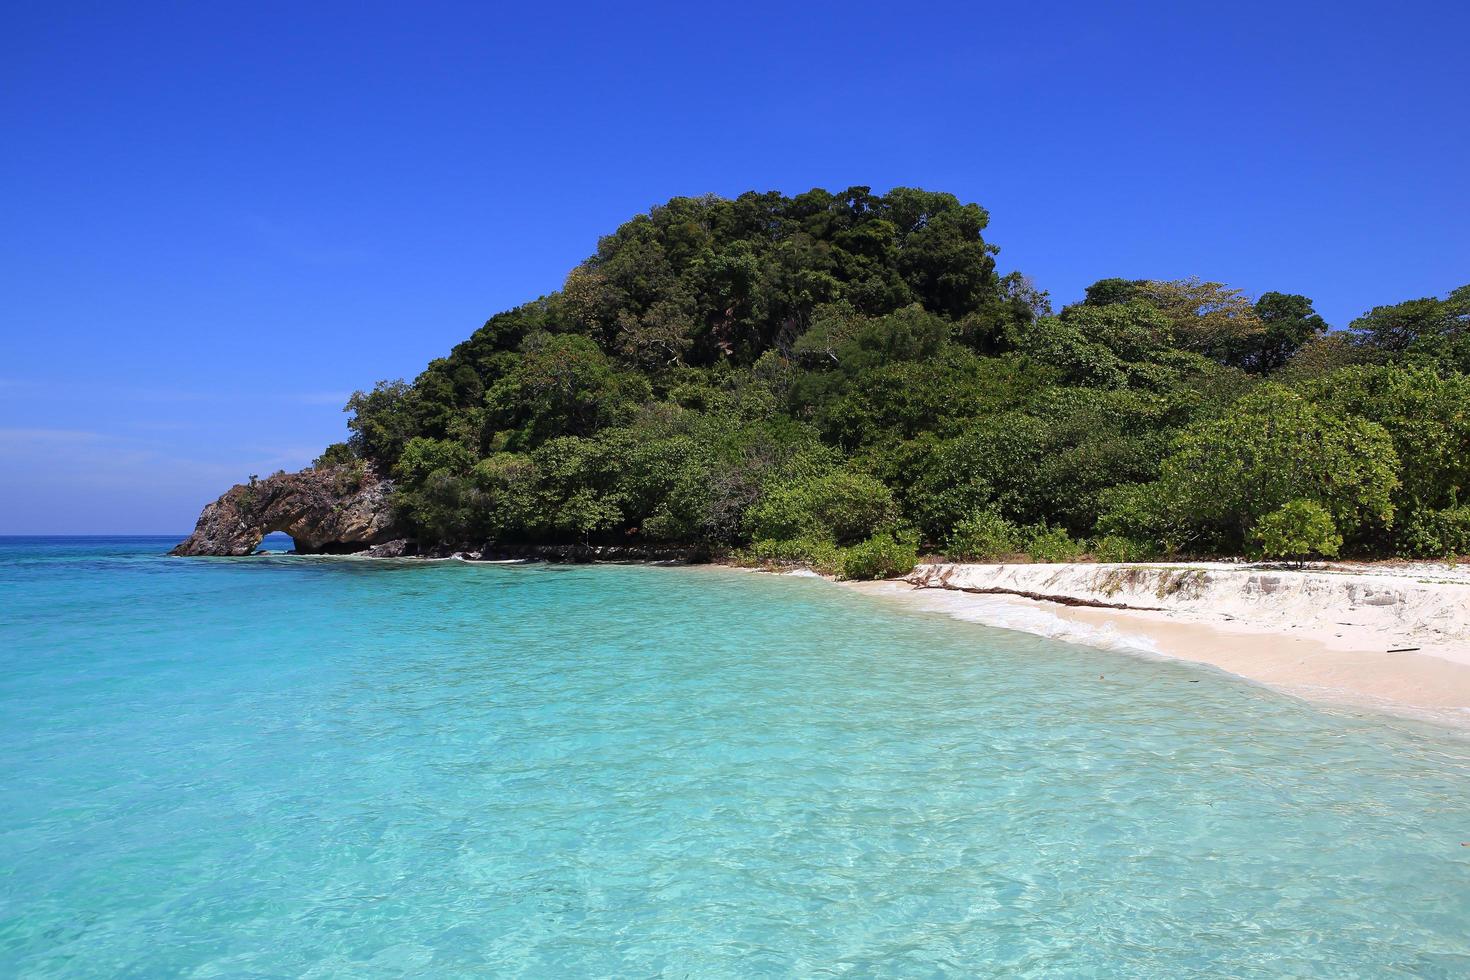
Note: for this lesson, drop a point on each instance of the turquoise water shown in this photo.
(319, 767)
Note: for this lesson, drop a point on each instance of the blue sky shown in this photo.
(220, 219)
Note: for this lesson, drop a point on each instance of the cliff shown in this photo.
(330, 510)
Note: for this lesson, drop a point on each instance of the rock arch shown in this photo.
(332, 510)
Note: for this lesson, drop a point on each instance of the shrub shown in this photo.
(881, 556)
(1297, 529)
(1436, 534)
(822, 555)
(1455, 531)
(1133, 510)
(839, 504)
(1117, 548)
(1054, 544)
(423, 456)
(1271, 448)
(983, 536)
(337, 454)
(442, 506)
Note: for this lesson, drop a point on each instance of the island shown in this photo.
(845, 381)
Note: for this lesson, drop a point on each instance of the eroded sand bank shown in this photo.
(1395, 638)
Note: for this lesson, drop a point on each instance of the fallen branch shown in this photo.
(1061, 600)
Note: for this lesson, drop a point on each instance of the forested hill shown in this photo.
(844, 377)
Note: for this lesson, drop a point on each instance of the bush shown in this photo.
(1454, 529)
(423, 456)
(1271, 448)
(1054, 544)
(822, 555)
(881, 556)
(1436, 534)
(337, 454)
(1297, 529)
(1116, 548)
(442, 506)
(840, 505)
(983, 536)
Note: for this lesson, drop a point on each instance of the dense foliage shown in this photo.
(845, 379)
(1299, 529)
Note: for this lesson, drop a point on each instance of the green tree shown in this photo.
(1428, 325)
(983, 536)
(838, 505)
(383, 420)
(1289, 324)
(800, 375)
(337, 454)
(1298, 529)
(563, 384)
(1427, 415)
(1207, 318)
(508, 488)
(585, 513)
(1272, 447)
(1320, 357)
(423, 456)
(1053, 544)
(1106, 292)
(881, 556)
(1430, 533)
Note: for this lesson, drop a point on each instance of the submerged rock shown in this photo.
(335, 509)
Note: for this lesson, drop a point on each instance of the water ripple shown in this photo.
(332, 768)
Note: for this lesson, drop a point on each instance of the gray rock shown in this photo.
(397, 548)
(334, 509)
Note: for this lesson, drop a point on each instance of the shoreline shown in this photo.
(1390, 640)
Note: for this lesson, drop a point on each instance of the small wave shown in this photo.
(1038, 619)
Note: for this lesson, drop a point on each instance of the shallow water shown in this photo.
(326, 767)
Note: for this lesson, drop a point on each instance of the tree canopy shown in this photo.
(804, 375)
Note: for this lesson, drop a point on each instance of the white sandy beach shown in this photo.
(1393, 637)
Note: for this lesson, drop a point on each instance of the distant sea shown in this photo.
(334, 767)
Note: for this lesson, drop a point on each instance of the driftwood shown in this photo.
(1061, 600)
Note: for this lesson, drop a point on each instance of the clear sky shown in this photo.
(221, 218)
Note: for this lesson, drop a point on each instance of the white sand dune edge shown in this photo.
(1335, 633)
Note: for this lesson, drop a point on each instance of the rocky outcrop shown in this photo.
(556, 554)
(332, 510)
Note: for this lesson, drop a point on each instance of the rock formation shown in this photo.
(330, 510)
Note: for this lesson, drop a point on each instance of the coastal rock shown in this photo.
(396, 548)
(584, 554)
(335, 509)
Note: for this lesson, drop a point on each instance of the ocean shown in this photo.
(327, 767)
